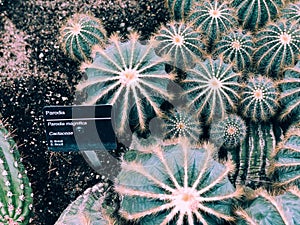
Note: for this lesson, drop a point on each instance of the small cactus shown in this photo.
(229, 132)
(254, 14)
(213, 18)
(15, 189)
(285, 166)
(180, 43)
(79, 34)
(278, 46)
(267, 209)
(290, 93)
(259, 98)
(236, 47)
(123, 75)
(179, 9)
(291, 12)
(212, 88)
(175, 184)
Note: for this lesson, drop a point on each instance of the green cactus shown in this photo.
(278, 46)
(290, 93)
(175, 184)
(285, 166)
(259, 98)
(254, 14)
(236, 47)
(212, 88)
(79, 34)
(267, 209)
(291, 12)
(87, 209)
(213, 18)
(15, 188)
(180, 43)
(123, 75)
(179, 9)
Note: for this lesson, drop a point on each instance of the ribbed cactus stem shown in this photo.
(15, 188)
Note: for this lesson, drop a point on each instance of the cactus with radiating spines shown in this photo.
(175, 184)
(87, 209)
(236, 47)
(180, 43)
(122, 75)
(278, 46)
(259, 98)
(213, 18)
(291, 12)
(254, 14)
(179, 9)
(212, 88)
(285, 166)
(290, 93)
(268, 209)
(15, 188)
(79, 34)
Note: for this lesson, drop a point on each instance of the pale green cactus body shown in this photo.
(175, 184)
(15, 188)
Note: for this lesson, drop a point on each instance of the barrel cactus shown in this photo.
(79, 34)
(175, 184)
(179, 9)
(15, 188)
(291, 12)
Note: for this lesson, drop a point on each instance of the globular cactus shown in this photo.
(267, 209)
(290, 93)
(212, 88)
(79, 34)
(278, 46)
(175, 184)
(285, 166)
(291, 12)
(87, 209)
(254, 14)
(237, 47)
(15, 188)
(180, 43)
(229, 132)
(213, 18)
(179, 9)
(259, 98)
(123, 75)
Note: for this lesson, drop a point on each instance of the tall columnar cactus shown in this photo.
(123, 74)
(87, 209)
(175, 184)
(290, 93)
(180, 43)
(254, 14)
(278, 46)
(79, 34)
(15, 188)
(236, 47)
(267, 209)
(212, 87)
(179, 9)
(214, 18)
(291, 12)
(259, 98)
(285, 167)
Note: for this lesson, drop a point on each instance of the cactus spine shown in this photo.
(15, 189)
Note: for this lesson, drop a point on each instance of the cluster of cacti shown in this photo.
(15, 188)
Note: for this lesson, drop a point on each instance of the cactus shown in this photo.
(267, 209)
(229, 132)
(180, 43)
(15, 189)
(278, 46)
(179, 9)
(285, 166)
(259, 98)
(254, 14)
(236, 47)
(212, 88)
(175, 184)
(87, 209)
(79, 34)
(291, 12)
(290, 93)
(122, 75)
(213, 18)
